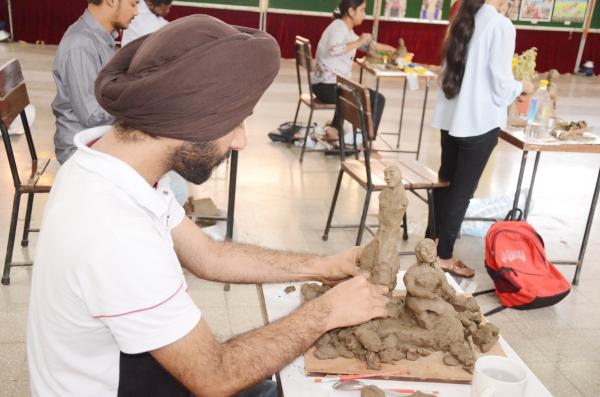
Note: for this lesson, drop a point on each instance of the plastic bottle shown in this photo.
(540, 113)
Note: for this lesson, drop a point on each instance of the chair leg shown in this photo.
(405, 227)
(333, 203)
(297, 111)
(363, 218)
(306, 135)
(12, 231)
(25, 241)
(432, 220)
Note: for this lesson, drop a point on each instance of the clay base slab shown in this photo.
(430, 368)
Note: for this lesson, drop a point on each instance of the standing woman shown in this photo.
(477, 87)
(335, 53)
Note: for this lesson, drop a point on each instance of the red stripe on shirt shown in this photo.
(143, 309)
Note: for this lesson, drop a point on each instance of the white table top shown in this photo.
(296, 384)
(379, 70)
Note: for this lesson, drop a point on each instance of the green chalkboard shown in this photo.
(596, 16)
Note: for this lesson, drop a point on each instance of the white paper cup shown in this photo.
(496, 376)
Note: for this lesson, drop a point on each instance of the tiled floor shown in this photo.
(283, 204)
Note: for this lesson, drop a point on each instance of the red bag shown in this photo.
(516, 260)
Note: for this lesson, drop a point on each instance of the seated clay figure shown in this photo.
(427, 290)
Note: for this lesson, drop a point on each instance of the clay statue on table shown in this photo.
(427, 290)
(380, 256)
(431, 317)
(375, 56)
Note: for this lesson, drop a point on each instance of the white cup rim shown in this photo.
(484, 360)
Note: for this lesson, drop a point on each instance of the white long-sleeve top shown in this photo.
(331, 56)
(488, 86)
(145, 22)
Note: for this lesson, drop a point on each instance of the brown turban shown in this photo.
(196, 79)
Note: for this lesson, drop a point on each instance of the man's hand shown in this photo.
(354, 302)
(335, 268)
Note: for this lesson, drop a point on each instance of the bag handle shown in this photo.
(517, 211)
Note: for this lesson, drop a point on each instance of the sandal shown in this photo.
(460, 269)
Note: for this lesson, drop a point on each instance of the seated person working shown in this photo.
(109, 310)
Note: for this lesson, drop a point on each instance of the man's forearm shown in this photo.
(208, 368)
(258, 354)
(243, 263)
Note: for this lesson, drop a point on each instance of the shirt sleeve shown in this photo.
(505, 89)
(336, 43)
(82, 66)
(136, 287)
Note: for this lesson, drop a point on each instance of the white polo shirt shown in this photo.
(106, 278)
(488, 86)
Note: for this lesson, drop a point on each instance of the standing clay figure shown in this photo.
(380, 256)
(552, 78)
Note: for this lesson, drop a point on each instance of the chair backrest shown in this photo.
(354, 105)
(304, 63)
(13, 101)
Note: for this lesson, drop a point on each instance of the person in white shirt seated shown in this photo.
(335, 53)
(151, 17)
(109, 310)
(477, 86)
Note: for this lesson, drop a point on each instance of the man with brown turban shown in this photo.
(109, 310)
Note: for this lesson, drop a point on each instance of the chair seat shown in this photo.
(39, 177)
(315, 103)
(414, 175)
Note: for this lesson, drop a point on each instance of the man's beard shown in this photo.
(195, 161)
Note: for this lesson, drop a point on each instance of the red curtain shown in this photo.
(47, 20)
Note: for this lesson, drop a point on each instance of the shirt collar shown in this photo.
(109, 38)
(121, 174)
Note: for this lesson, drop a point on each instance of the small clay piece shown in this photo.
(412, 354)
(371, 391)
(312, 291)
(486, 337)
(572, 131)
(289, 289)
(380, 256)
(419, 393)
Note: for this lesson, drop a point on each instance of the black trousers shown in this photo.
(326, 93)
(141, 375)
(463, 162)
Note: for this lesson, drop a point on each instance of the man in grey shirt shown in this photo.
(87, 45)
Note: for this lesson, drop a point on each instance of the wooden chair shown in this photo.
(38, 176)
(355, 107)
(304, 66)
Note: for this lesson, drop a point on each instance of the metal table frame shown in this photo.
(379, 74)
(516, 138)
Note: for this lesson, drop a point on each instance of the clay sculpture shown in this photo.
(431, 317)
(377, 57)
(380, 256)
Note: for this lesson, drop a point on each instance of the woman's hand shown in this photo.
(366, 38)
